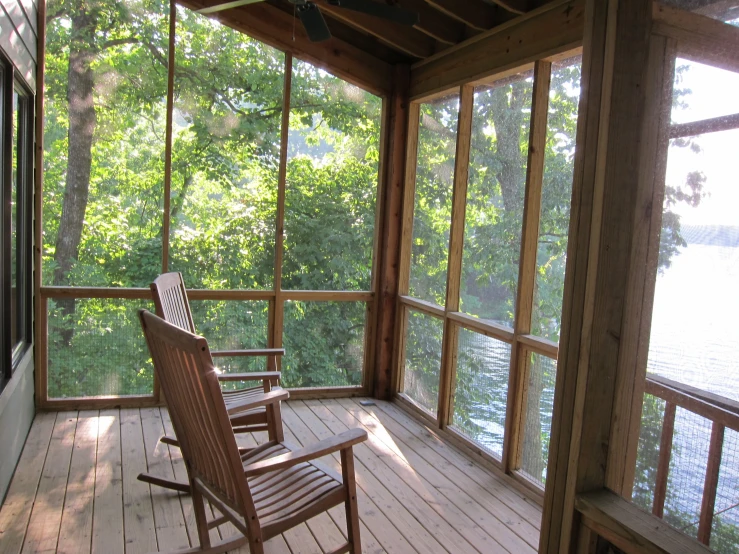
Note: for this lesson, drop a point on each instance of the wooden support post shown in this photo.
(406, 239)
(518, 374)
(41, 335)
(456, 244)
(277, 307)
(711, 484)
(614, 146)
(663, 466)
(168, 141)
(390, 203)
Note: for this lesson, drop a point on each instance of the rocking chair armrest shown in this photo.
(250, 352)
(343, 441)
(252, 376)
(264, 400)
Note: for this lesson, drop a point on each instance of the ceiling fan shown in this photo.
(312, 19)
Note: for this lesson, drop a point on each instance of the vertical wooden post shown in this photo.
(277, 306)
(518, 374)
(40, 305)
(166, 212)
(663, 466)
(642, 276)
(613, 148)
(406, 238)
(390, 203)
(168, 139)
(456, 245)
(711, 484)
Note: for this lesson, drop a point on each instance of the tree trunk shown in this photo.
(82, 119)
(507, 111)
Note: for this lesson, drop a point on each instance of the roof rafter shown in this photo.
(475, 13)
(406, 39)
(434, 23)
(515, 6)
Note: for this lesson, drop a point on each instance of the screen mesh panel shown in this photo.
(423, 360)
(324, 344)
(481, 389)
(97, 348)
(538, 416)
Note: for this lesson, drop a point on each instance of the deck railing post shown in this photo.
(665, 453)
(711, 484)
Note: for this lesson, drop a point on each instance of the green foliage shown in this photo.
(228, 100)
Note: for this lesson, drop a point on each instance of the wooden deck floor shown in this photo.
(75, 489)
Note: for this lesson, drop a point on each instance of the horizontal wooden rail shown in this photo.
(629, 528)
(427, 308)
(713, 125)
(202, 294)
(486, 327)
(540, 346)
(723, 412)
(705, 404)
(699, 38)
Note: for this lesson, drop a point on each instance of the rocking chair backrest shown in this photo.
(170, 300)
(185, 370)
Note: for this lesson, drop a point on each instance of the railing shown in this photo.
(721, 411)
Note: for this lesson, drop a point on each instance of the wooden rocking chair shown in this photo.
(263, 492)
(256, 412)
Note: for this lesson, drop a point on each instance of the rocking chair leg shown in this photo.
(201, 521)
(352, 513)
(166, 483)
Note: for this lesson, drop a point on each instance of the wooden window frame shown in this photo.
(11, 82)
(519, 336)
(276, 296)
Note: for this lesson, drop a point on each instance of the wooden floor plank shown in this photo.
(107, 518)
(403, 489)
(337, 535)
(327, 531)
(441, 493)
(504, 525)
(16, 509)
(46, 517)
(76, 528)
(180, 474)
(169, 520)
(76, 488)
(432, 445)
(380, 527)
(138, 516)
(296, 416)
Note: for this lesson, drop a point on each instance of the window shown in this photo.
(15, 221)
(482, 302)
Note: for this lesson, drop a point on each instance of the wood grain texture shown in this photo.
(445, 497)
(389, 238)
(613, 110)
(554, 28)
(631, 529)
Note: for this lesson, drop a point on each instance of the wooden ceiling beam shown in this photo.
(275, 28)
(406, 39)
(475, 13)
(514, 6)
(434, 23)
(552, 29)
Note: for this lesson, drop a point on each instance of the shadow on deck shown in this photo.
(75, 488)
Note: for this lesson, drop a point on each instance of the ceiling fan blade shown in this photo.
(392, 13)
(312, 19)
(226, 6)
